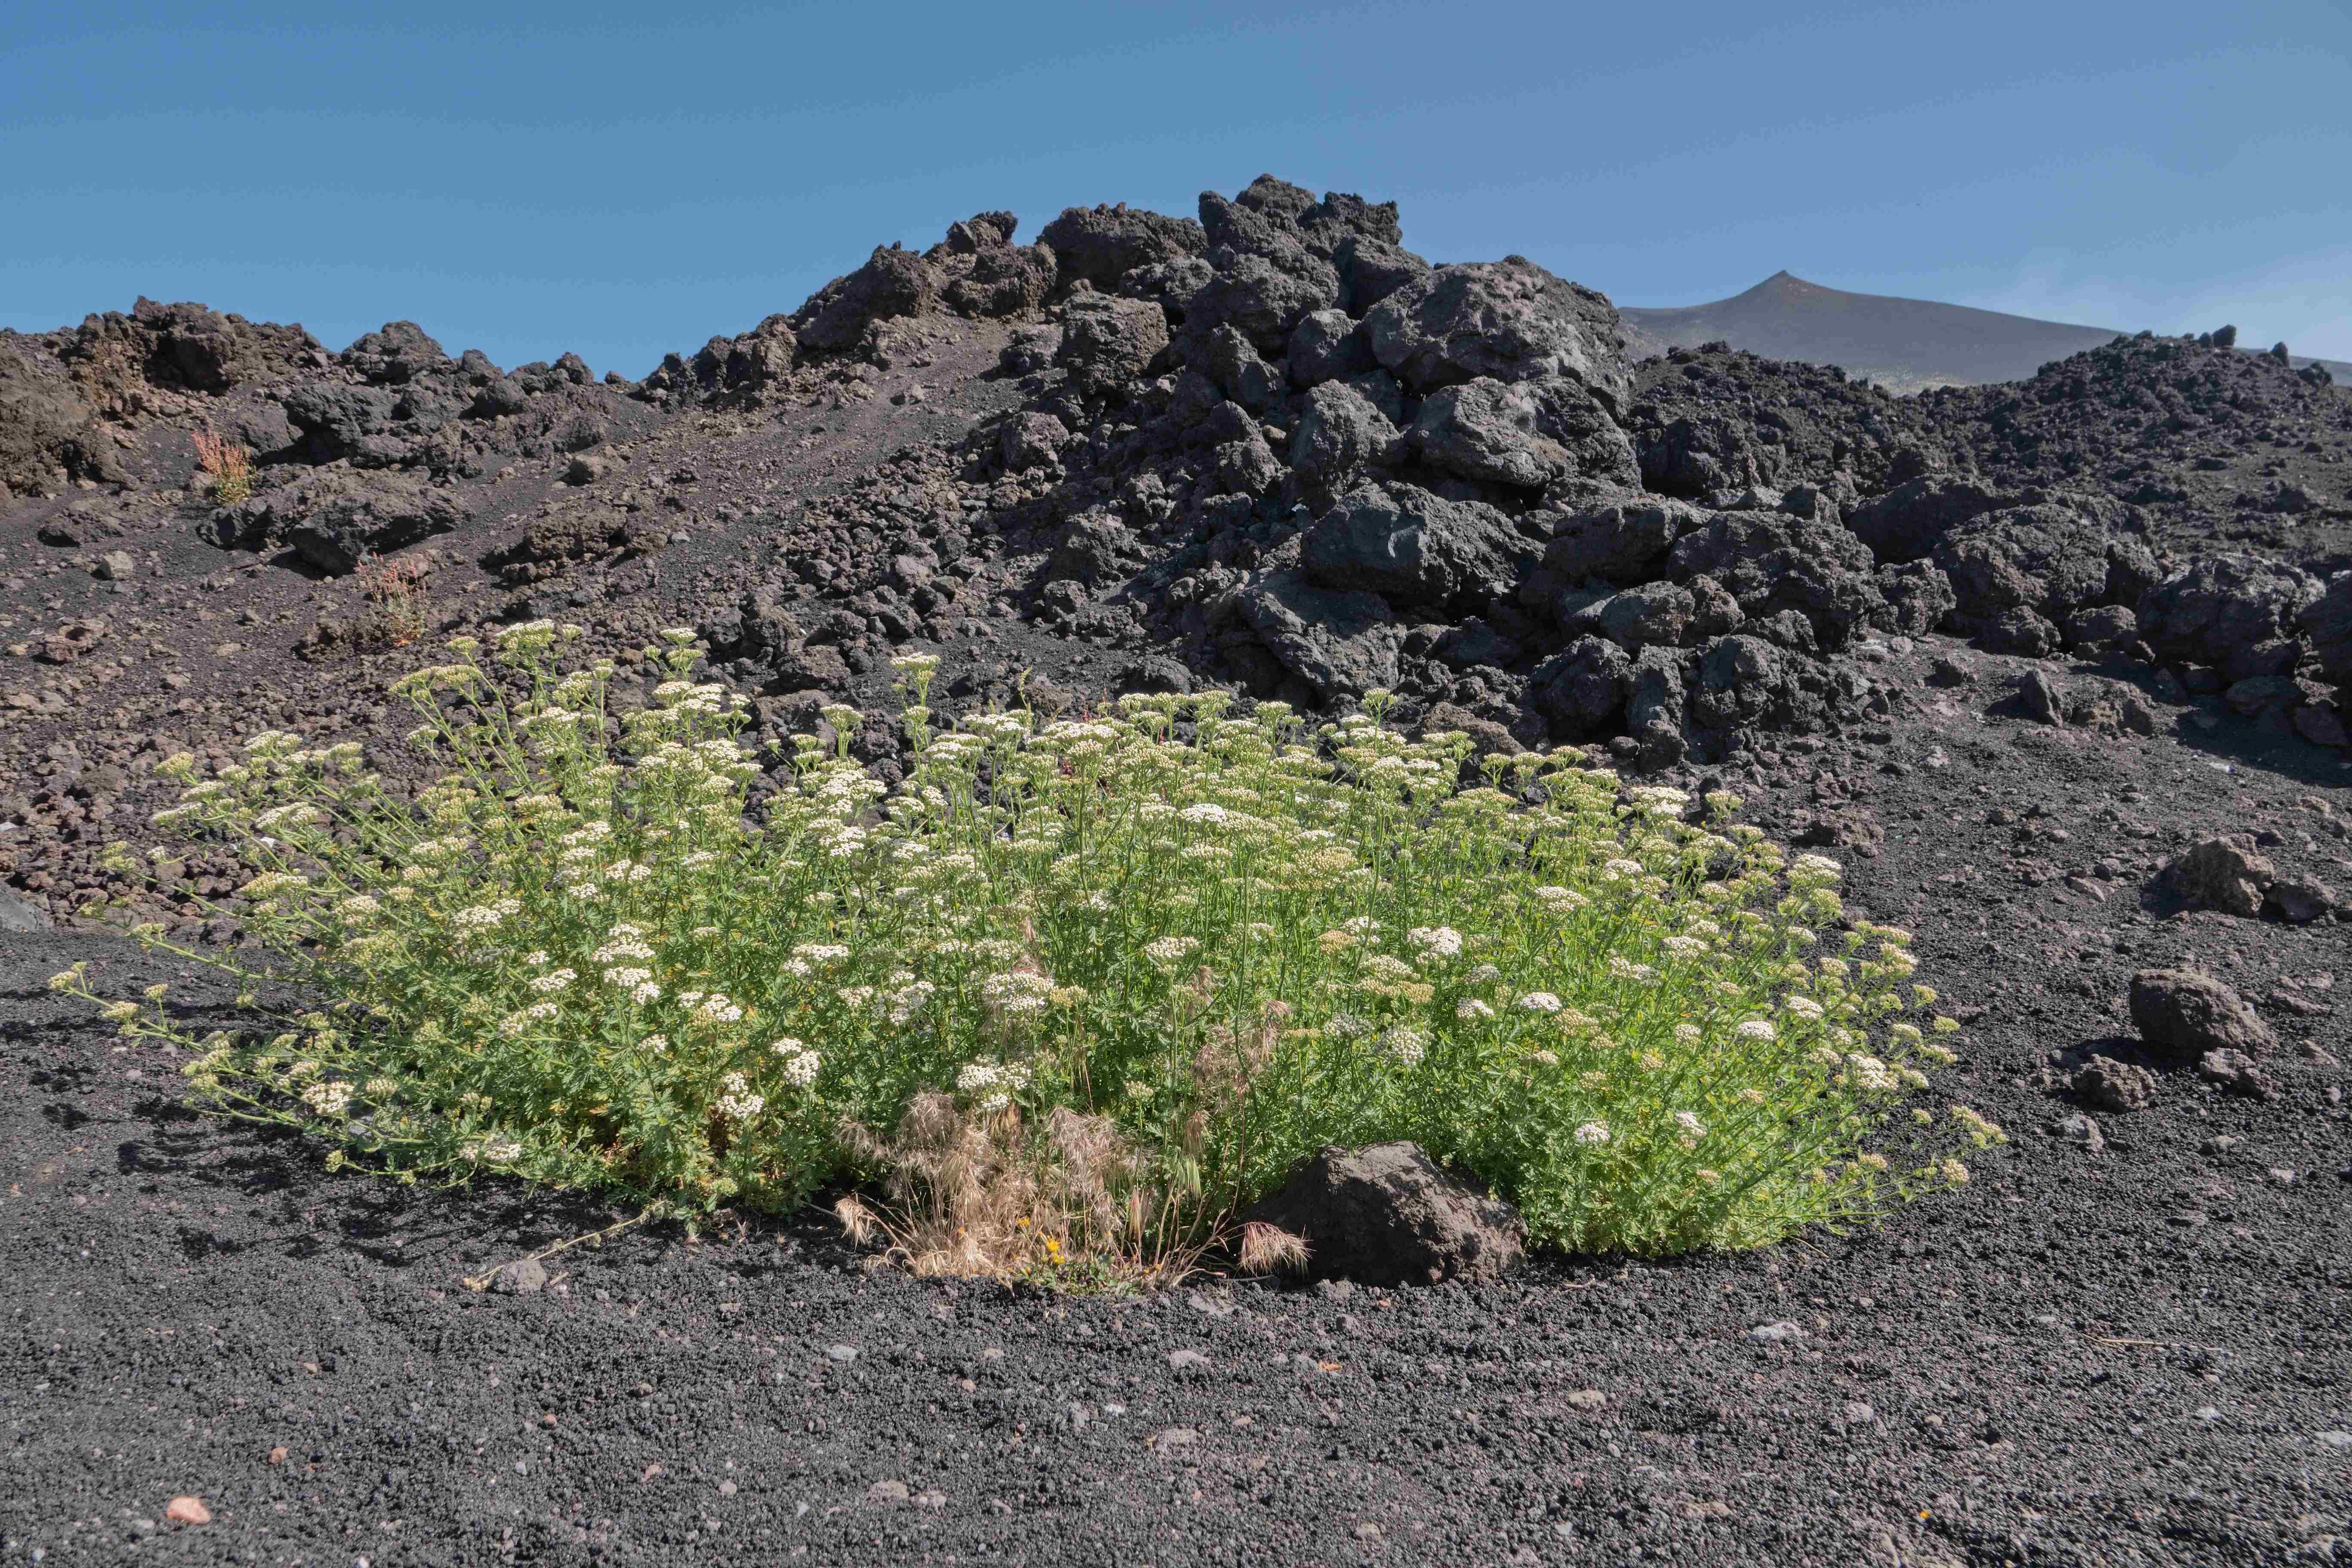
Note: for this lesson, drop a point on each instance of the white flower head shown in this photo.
(1540, 1002)
(1592, 1135)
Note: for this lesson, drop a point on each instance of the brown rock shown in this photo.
(2182, 1015)
(2106, 1084)
(1388, 1213)
(185, 1510)
(2223, 874)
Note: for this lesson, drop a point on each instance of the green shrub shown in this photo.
(1213, 943)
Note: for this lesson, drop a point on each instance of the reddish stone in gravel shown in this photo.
(186, 1509)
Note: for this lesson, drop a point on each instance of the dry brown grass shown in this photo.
(226, 464)
(975, 1195)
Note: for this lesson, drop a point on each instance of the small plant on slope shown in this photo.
(227, 465)
(1185, 947)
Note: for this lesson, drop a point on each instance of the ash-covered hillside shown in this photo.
(1269, 447)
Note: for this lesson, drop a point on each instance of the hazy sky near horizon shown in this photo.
(620, 180)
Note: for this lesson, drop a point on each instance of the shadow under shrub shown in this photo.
(1222, 941)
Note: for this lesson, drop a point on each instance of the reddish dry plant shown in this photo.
(228, 465)
(983, 1194)
(396, 589)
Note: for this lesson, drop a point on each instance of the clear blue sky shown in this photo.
(618, 180)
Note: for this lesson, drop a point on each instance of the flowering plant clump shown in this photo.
(1222, 941)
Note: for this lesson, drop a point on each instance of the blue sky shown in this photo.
(620, 180)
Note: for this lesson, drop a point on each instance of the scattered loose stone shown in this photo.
(2078, 1129)
(842, 1355)
(1388, 1215)
(187, 1509)
(1779, 1333)
(524, 1276)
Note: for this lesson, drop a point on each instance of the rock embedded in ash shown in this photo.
(2182, 1014)
(21, 914)
(1388, 1214)
(2117, 1087)
(2223, 873)
(2042, 699)
(2300, 899)
(2235, 1072)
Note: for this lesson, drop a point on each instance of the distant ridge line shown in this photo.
(1905, 345)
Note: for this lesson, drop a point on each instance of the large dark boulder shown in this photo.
(1773, 562)
(339, 517)
(1508, 320)
(1325, 346)
(1623, 540)
(1340, 435)
(337, 420)
(1523, 434)
(1908, 521)
(1104, 244)
(1107, 340)
(2182, 1015)
(1261, 301)
(1388, 1215)
(894, 282)
(1414, 548)
(2047, 559)
(1580, 691)
(2237, 612)
(1337, 644)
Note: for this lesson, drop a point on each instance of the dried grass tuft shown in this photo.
(1270, 1249)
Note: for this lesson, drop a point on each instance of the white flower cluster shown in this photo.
(994, 1083)
(1443, 942)
(1406, 1045)
(737, 1102)
(1016, 992)
(1540, 1002)
(799, 1064)
(1171, 949)
(328, 1098)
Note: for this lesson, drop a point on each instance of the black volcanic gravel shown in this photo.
(2134, 1356)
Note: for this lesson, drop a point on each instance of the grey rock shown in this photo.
(2300, 899)
(1582, 689)
(2236, 1073)
(1783, 1332)
(2227, 611)
(2078, 1129)
(1341, 644)
(2042, 698)
(1033, 440)
(524, 1276)
(2182, 1014)
(1325, 346)
(1107, 340)
(1509, 320)
(117, 566)
(1908, 521)
(20, 914)
(1416, 548)
(1340, 435)
(1388, 1215)
(1523, 434)
(1773, 562)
